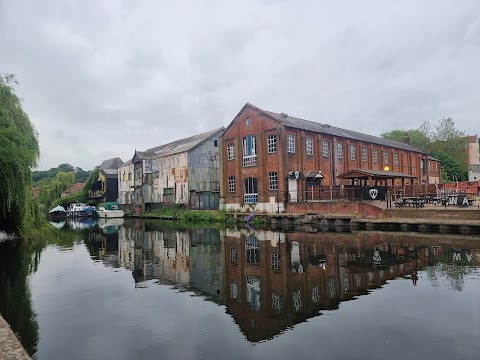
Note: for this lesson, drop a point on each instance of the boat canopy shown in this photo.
(58, 208)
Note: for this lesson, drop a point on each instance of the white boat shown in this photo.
(110, 210)
(81, 210)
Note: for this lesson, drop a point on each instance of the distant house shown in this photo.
(75, 188)
(474, 173)
(105, 188)
(184, 172)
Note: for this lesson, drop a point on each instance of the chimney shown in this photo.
(406, 138)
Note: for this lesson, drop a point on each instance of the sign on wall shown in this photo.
(374, 192)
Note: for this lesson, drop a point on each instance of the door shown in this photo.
(292, 189)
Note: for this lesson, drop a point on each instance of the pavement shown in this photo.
(10, 346)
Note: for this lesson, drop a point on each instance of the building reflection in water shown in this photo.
(269, 281)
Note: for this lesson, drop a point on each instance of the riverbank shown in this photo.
(10, 346)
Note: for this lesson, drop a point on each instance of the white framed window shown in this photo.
(385, 158)
(276, 302)
(233, 290)
(325, 148)
(395, 159)
(375, 156)
(250, 190)
(297, 300)
(273, 180)
(309, 145)
(339, 151)
(230, 152)
(429, 166)
(364, 154)
(231, 184)
(291, 143)
(249, 151)
(233, 255)
(271, 143)
(252, 250)
(275, 261)
(315, 294)
(253, 292)
(352, 152)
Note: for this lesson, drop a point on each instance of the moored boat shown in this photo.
(58, 212)
(110, 210)
(81, 210)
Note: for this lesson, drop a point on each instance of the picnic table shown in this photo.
(412, 201)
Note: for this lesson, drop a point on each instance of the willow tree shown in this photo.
(19, 153)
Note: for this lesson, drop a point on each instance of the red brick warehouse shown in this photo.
(267, 158)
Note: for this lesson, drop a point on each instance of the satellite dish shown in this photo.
(296, 174)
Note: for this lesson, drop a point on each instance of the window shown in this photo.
(156, 174)
(352, 152)
(375, 156)
(230, 152)
(276, 302)
(309, 146)
(364, 154)
(339, 150)
(271, 143)
(233, 290)
(297, 300)
(275, 261)
(231, 183)
(291, 143)
(123, 176)
(395, 159)
(215, 143)
(252, 250)
(249, 151)
(429, 166)
(233, 255)
(385, 158)
(253, 292)
(273, 181)
(129, 176)
(250, 190)
(325, 148)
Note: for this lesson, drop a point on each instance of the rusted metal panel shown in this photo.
(204, 166)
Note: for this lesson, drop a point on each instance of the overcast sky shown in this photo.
(101, 78)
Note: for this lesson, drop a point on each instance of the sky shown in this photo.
(100, 79)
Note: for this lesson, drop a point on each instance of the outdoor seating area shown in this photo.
(410, 201)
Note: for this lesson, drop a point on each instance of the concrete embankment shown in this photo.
(10, 346)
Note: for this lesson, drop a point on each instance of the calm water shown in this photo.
(138, 290)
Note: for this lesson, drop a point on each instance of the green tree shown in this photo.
(418, 138)
(446, 143)
(51, 191)
(19, 153)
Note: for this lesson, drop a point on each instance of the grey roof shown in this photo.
(111, 163)
(475, 168)
(110, 173)
(430, 157)
(178, 146)
(335, 131)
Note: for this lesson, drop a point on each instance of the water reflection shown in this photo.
(270, 281)
(266, 281)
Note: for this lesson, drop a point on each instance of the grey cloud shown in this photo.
(100, 79)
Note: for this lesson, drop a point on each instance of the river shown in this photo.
(147, 290)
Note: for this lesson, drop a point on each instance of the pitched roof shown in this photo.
(111, 163)
(178, 146)
(308, 125)
(73, 189)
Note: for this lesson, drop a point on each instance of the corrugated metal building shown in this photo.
(184, 172)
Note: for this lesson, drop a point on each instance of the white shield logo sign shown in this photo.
(373, 193)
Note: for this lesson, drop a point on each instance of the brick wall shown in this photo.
(356, 209)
